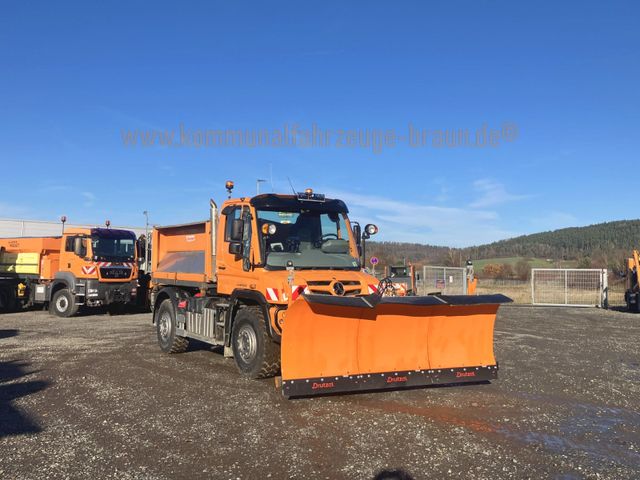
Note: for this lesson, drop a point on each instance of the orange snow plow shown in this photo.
(337, 344)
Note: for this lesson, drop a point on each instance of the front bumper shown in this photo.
(100, 293)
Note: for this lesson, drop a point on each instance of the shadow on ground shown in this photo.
(8, 333)
(12, 420)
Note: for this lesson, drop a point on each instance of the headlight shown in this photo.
(371, 229)
(268, 229)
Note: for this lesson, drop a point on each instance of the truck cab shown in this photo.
(87, 266)
(254, 255)
(97, 266)
(269, 238)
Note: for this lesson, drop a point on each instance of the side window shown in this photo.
(231, 216)
(68, 246)
(330, 225)
(246, 239)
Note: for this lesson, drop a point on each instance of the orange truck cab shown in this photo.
(92, 267)
(278, 282)
(261, 253)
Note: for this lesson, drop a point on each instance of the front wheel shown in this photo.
(63, 304)
(166, 327)
(255, 354)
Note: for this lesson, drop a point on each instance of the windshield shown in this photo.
(310, 239)
(113, 248)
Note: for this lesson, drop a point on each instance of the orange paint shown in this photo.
(325, 341)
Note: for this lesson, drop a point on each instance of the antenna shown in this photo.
(293, 189)
(258, 182)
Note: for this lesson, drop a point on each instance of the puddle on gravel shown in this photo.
(602, 433)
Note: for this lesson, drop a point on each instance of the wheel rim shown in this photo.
(164, 325)
(62, 303)
(247, 344)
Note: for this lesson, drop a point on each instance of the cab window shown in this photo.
(68, 246)
(231, 216)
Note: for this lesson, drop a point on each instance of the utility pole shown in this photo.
(271, 175)
(63, 219)
(258, 182)
(146, 240)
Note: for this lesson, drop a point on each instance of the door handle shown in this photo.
(221, 267)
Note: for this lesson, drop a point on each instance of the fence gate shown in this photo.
(579, 287)
(446, 280)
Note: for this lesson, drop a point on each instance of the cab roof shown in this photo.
(291, 203)
(112, 233)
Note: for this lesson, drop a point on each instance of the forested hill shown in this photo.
(605, 240)
(567, 243)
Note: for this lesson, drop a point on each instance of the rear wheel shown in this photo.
(166, 327)
(63, 303)
(255, 354)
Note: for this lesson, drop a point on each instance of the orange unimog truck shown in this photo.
(277, 281)
(88, 266)
(403, 278)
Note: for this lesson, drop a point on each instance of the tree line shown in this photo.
(603, 245)
(572, 243)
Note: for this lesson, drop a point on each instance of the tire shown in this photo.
(166, 327)
(255, 354)
(63, 304)
(4, 300)
(8, 301)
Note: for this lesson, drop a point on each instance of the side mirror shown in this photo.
(236, 230)
(80, 246)
(357, 233)
(235, 248)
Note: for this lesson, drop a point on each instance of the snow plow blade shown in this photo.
(339, 344)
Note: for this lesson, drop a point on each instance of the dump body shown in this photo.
(38, 256)
(93, 267)
(183, 253)
(277, 281)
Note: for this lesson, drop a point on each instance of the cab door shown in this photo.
(70, 259)
(234, 262)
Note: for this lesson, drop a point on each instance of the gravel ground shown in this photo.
(93, 397)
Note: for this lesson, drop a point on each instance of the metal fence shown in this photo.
(569, 286)
(446, 280)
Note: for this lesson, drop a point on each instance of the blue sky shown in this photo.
(563, 76)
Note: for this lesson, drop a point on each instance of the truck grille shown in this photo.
(115, 272)
(323, 287)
